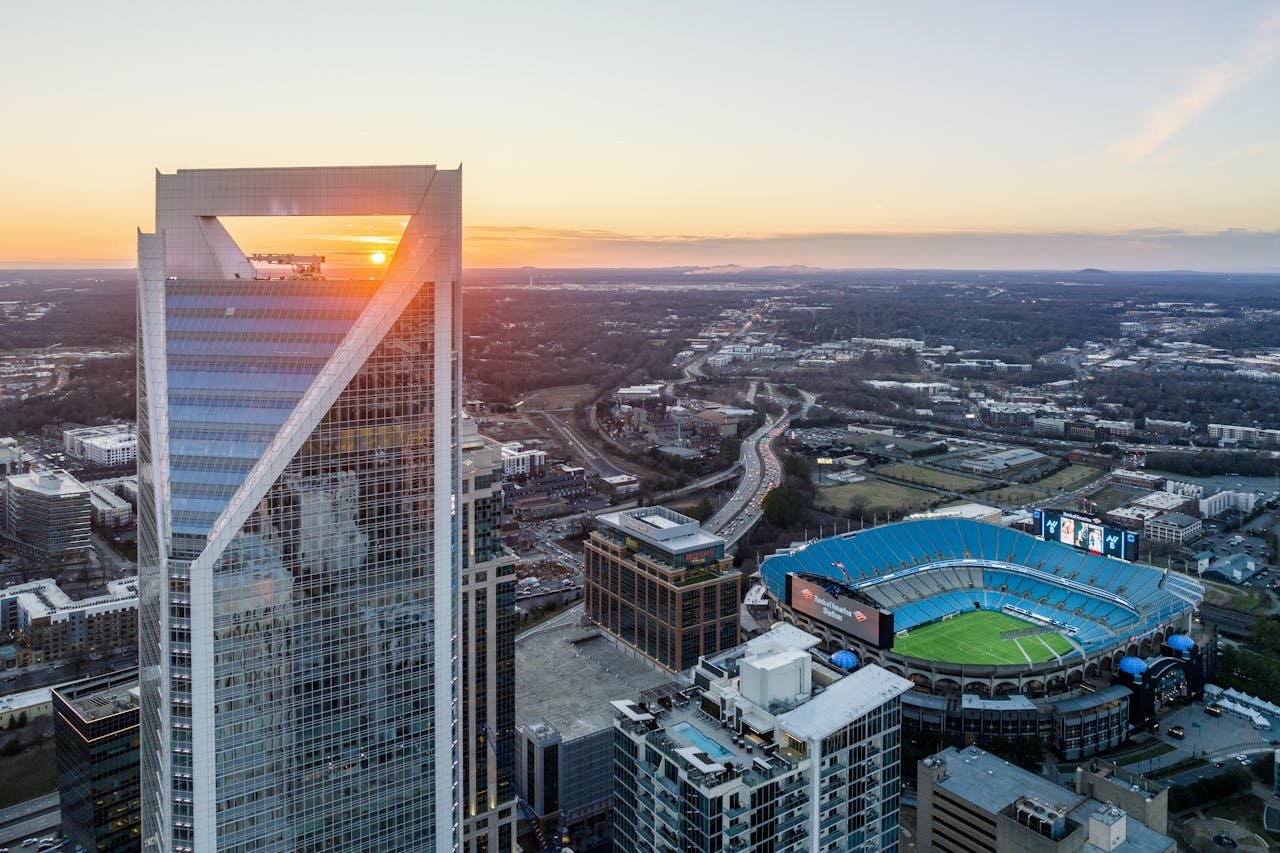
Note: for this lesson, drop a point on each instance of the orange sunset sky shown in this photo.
(1138, 135)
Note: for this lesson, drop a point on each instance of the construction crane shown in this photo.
(304, 266)
(557, 843)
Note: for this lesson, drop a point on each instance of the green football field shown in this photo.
(974, 637)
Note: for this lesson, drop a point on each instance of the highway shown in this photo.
(760, 473)
(37, 818)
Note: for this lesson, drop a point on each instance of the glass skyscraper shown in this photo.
(488, 651)
(297, 464)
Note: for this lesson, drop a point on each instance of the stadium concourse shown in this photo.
(985, 617)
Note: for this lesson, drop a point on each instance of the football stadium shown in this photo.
(973, 613)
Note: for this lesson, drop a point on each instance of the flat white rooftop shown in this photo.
(853, 696)
(662, 528)
(52, 483)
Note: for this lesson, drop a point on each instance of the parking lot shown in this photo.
(1218, 740)
(1249, 541)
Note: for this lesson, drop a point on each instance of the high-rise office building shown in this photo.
(96, 731)
(47, 515)
(297, 465)
(769, 751)
(488, 651)
(659, 583)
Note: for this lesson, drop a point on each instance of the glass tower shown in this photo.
(488, 652)
(297, 531)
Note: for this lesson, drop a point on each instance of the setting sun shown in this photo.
(378, 258)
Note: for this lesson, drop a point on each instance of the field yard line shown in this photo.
(1056, 656)
(1018, 643)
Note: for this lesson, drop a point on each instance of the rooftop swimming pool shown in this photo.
(695, 736)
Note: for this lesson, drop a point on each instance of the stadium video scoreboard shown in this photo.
(840, 610)
(1087, 534)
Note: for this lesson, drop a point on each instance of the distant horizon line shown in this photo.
(714, 269)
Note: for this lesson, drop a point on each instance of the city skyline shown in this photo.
(1126, 138)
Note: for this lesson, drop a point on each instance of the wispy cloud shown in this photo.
(1206, 87)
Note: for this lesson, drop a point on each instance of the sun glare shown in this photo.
(378, 258)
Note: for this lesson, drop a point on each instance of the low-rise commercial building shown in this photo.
(1173, 527)
(639, 393)
(539, 506)
(1235, 568)
(971, 801)
(18, 709)
(1131, 517)
(1015, 459)
(1165, 502)
(1141, 479)
(620, 485)
(767, 750)
(563, 481)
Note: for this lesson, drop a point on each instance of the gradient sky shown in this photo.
(1135, 135)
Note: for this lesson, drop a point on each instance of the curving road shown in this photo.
(761, 471)
(593, 458)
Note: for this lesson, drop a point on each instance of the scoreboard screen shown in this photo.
(867, 622)
(1086, 534)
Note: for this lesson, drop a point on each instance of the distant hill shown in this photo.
(733, 269)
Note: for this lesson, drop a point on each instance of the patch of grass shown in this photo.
(1071, 478)
(1244, 601)
(882, 497)
(1246, 811)
(1146, 752)
(559, 397)
(974, 637)
(1234, 598)
(1112, 497)
(1016, 495)
(929, 477)
(31, 773)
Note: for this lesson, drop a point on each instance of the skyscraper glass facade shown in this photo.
(296, 530)
(488, 652)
